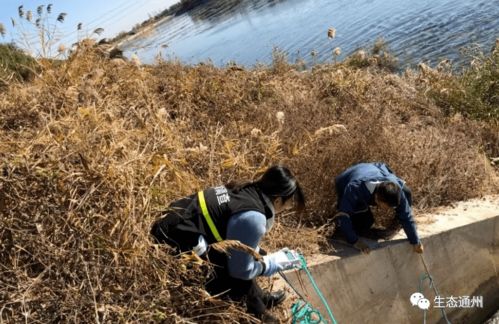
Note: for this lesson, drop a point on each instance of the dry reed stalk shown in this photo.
(331, 33)
(226, 245)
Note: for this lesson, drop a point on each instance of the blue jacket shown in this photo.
(248, 227)
(355, 192)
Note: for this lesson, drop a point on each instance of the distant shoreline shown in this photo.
(139, 32)
(174, 10)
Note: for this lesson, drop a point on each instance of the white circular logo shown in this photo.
(415, 298)
(424, 303)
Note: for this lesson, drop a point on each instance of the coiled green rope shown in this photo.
(302, 311)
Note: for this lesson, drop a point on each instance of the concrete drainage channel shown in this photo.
(463, 260)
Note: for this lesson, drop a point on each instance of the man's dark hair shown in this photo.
(389, 193)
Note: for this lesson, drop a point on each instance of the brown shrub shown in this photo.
(92, 151)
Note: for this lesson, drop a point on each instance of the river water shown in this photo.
(246, 31)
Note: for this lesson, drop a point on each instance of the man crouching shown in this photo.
(365, 187)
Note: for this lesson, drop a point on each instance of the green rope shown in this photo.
(422, 278)
(303, 312)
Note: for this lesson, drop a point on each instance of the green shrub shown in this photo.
(473, 93)
(378, 56)
(15, 64)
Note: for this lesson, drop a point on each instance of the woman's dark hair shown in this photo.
(389, 193)
(277, 181)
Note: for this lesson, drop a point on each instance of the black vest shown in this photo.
(221, 203)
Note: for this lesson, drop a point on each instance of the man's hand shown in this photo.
(418, 248)
(362, 246)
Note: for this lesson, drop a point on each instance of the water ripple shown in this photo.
(246, 31)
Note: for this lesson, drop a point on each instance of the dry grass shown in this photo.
(228, 245)
(92, 150)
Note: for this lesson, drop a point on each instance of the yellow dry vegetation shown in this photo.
(93, 149)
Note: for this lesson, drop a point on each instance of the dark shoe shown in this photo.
(274, 298)
(268, 318)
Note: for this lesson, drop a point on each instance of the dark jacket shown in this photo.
(184, 221)
(354, 190)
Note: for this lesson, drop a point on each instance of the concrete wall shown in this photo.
(375, 288)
